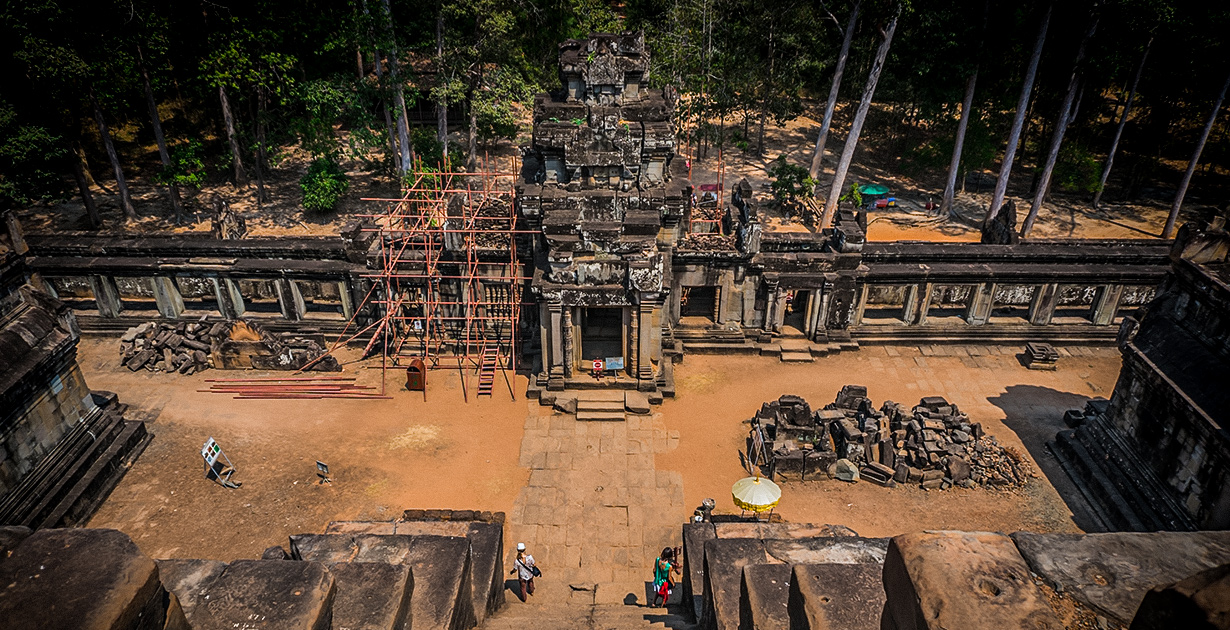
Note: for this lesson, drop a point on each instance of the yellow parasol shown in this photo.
(755, 494)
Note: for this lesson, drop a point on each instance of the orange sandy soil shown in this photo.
(1020, 407)
(386, 456)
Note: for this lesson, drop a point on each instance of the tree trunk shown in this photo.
(87, 198)
(392, 129)
(1014, 136)
(764, 100)
(241, 177)
(856, 127)
(1191, 165)
(406, 158)
(1114, 144)
(1067, 111)
(120, 184)
(156, 121)
(817, 157)
(442, 103)
(472, 136)
(954, 167)
(261, 196)
(358, 58)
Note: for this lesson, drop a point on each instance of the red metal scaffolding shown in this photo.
(449, 288)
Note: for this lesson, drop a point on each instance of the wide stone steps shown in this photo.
(518, 616)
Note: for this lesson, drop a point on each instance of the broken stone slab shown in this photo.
(267, 594)
(724, 562)
(81, 579)
(1200, 602)
(1112, 572)
(441, 569)
(846, 470)
(694, 537)
(565, 404)
(371, 596)
(277, 552)
(834, 550)
(968, 580)
(187, 580)
(637, 402)
(486, 568)
(836, 596)
(323, 548)
(766, 595)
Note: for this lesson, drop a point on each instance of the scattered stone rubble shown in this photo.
(933, 445)
(182, 347)
(190, 347)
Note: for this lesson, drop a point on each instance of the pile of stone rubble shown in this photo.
(933, 445)
(165, 347)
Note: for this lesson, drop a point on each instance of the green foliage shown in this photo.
(30, 159)
(854, 195)
(1076, 170)
(187, 167)
(323, 185)
(790, 181)
(428, 149)
(323, 104)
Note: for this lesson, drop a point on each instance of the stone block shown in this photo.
(441, 569)
(724, 562)
(836, 597)
(10, 537)
(486, 568)
(188, 580)
(1112, 572)
(694, 537)
(81, 579)
(1200, 602)
(637, 402)
(323, 548)
(838, 550)
(267, 594)
(968, 580)
(766, 593)
(371, 596)
(277, 552)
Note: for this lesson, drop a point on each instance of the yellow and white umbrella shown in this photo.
(755, 494)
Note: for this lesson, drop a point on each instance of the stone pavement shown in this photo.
(596, 511)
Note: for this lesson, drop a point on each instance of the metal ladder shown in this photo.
(486, 374)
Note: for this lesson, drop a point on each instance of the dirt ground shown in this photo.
(386, 456)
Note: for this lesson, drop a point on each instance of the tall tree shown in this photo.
(856, 127)
(1014, 135)
(441, 91)
(1067, 111)
(121, 184)
(817, 157)
(1168, 231)
(1123, 118)
(159, 138)
(232, 138)
(967, 106)
(405, 157)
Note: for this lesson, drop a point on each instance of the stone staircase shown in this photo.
(72, 480)
(553, 616)
(600, 405)
(1122, 490)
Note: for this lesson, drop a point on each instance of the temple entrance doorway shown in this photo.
(602, 334)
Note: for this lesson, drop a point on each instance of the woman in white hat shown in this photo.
(526, 571)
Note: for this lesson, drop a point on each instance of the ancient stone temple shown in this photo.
(624, 267)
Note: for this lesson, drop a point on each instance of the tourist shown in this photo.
(662, 584)
(526, 571)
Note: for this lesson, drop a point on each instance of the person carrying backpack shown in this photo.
(662, 584)
(526, 571)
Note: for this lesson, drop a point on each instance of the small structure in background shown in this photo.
(416, 376)
(1040, 356)
(322, 471)
(215, 470)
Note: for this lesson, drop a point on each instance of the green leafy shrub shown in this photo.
(790, 181)
(1076, 170)
(323, 185)
(854, 195)
(187, 167)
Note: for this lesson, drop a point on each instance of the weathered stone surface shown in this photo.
(1200, 602)
(267, 594)
(486, 568)
(10, 537)
(361, 527)
(766, 593)
(80, 579)
(188, 581)
(846, 470)
(371, 596)
(1112, 572)
(323, 548)
(724, 562)
(441, 569)
(565, 404)
(637, 402)
(968, 580)
(837, 550)
(694, 537)
(836, 596)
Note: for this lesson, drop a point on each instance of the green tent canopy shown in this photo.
(872, 189)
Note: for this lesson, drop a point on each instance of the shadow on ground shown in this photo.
(1035, 414)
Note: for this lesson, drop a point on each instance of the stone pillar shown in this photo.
(1042, 308)
(290, 299)
(106, 296)
(644, 365)
(1106, 304)
(166, 296)
(772, 308)
(822, 317)
(917, 300)
(981, 299)
(230, 300)
(555, 369)
(569, 352)
(343, 294)
(861, 306)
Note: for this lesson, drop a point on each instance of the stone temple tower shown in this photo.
(602, 187)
